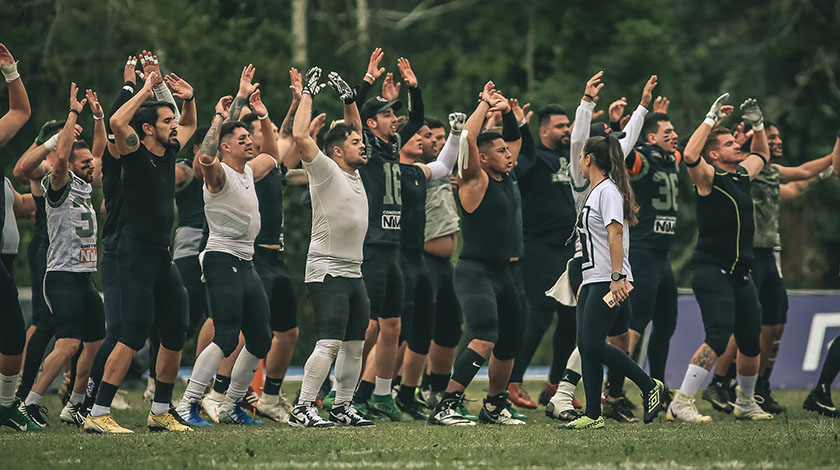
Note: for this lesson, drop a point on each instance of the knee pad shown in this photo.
(507, 347)
(259, 346)
(328, 347)
(134, 336)
(717, 338)
(226, 340)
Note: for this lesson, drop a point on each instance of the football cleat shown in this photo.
(167, 421)
(270, 407)
(329, 400)
(746, 408)
(561, 406)
(684, 408)
(386, 406)
(423, 397)
(72, 414)
(211, 403)
(765, 399)
(306, 416)
(149, 393)
(446, 414)
(492, 414)
(346, 415)
(652, 401)
(190, 412)
(232, 412)
(412, 409)
(548, 391)
(462, 409)
(104, 425)
(519, 396)
(584, 422)
(12, 417)
(619, 411)
(119, 402)
(819, 400)
(33, 413)
(716, 394)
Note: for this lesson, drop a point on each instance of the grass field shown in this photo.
(796, 439)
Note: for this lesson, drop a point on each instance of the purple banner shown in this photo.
(813, 321)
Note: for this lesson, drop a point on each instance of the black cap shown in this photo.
(376, 105)
(602, 129)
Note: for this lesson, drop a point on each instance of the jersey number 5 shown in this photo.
(393, 187)
(668, 191)
(87, 217)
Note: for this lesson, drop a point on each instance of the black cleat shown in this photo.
(765, 399)
(652, 401)
(413, 409)
(33, 412)
(619, 411)
(716, 394)
(346, 415)
(819, 401)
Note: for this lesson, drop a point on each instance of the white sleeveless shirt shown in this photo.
(233, 214)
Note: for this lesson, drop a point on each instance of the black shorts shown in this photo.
(151, 294)
(728, 305)
(12, 332)
(237, 303)
(279, 290)
(448, 319)
(190, 270)
(487, 295)
(655, 293)
(36, 254)
(341, 307)
(542, 264)
(384, 280)
(418, 312)
(75, 305)
(771, 289)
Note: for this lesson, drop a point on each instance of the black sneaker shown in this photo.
(731, 394)
(72, 414)
(446, 414)
(667, 398)
(306, 416)
(413, 409)
(33, 412)
(717, 395)
(819, 400)
(766, 401)
(346, 415)
(493, 414)
(423, 396)
(619, 411)
(652, 401)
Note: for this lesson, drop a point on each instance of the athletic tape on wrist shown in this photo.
(264, 116)
(95, 118)
(208, 164)
(710, 121)
(10, 71)
(51, 143)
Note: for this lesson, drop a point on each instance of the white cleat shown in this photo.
(448, 415)
(211, 404)
(271, 407)
(684, 408)
(120, 403)
(560, 405)
(149, 393)
(747, 408)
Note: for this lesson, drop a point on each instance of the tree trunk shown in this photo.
(299, 42)
(363, 17)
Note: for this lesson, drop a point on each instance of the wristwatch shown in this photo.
(618, 276)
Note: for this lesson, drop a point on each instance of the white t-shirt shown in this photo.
(603, 206)
(233, 214)
(339, 221)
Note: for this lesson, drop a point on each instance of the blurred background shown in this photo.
(782, 52)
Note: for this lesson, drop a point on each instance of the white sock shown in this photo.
(348, 366)
(317, 368)
(242, 374)
(32, 399)
(203, 371)
(383, 386)
(8, 384)
(76, 398)
(747, 384)
(159, 408)
(99, 410)
(573, 363)
(694, 377)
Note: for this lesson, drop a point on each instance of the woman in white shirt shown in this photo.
(601, 308)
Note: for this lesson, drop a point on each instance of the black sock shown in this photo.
(363, 392)
(406, 393)
(571, 376)
(497, 400)
(450, 396)
(718, 379)
(425, 383)
(766, 374)
(90, 394)
(106, 394)
(730, 374)
(272, 386)
(438, 382)
(397, 381)
(35, 350)
(831, 366)
(163, 391)
(466, 366)
(222, 383)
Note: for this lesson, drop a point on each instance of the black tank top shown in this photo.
(270, 196)
(413, 220)
(725, 223)
(656, 187)
(488, 230)
(190, 202)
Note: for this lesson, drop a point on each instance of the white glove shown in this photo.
(10, 71)
(345, 92)
(752, 114)
(52, 143)
(310, 82)
(714, 113)
(457, 121)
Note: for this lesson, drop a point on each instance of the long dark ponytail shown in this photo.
(609, 158)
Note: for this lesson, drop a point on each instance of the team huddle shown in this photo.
(574, 221)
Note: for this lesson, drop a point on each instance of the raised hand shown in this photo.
(487, 92)
(179, 87)
(517, 111)
(345, 92)
(223, 104)
(390, 90)
(660, 104)
(317, 124)
(716, 112)
(752, 114)
(740, 136)
(296, 83)
(593, 87)
(93, 104)
(245, 85)
(616, 109)
(6, 57)
(457, 121)
(257, 105)
(149, 63)
(8, 66)
(647, 91)
(310, 82)
(499, 103)
(128, 71)
(373, 69)
(407, 74)
(75, 104)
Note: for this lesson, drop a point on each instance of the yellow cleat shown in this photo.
(165, 422)
(104, 425)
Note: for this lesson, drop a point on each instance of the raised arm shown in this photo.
(701, 172)
(835, 156)
(371, 74)
(415, 101)
(125, 138)
(269, 157)
(580, 129)
(637, 119)
(809, 169)
(19, 110)
(291, 157)
(58, 178)
(759, 149)
(188, 123)
(207, 156)
(149, 63)
(442, 166)
(246, 89)
(473, 126)
(306, 146)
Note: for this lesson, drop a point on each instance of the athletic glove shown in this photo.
(752, 114)
(310, 82)
(41, 137)
(345, 92)
(714, 113)
(10, 71)
(457, 121)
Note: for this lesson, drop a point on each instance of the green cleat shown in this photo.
(513, 413)
(12, 417)
(584, 422)
(364, 410)
(462, 410)
(328, 401)
(385, 405)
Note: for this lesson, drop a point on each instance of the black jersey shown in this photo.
(190, 201)
(112, 192)
(149, 194)
(413, 220)
(725, 223)
(488, 230)
(548, 208)
(381, 176)
(270, 196)
(654, 176)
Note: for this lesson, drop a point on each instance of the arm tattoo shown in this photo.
(295, 172)
(288, 122)
(210, 144)
(802, 186)
(131, 140)
(236, 108)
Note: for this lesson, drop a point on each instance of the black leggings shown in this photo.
(594, 322)
(418, 311)
(831, 366)
(12, 334)
(190, 271)
(448, 318)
